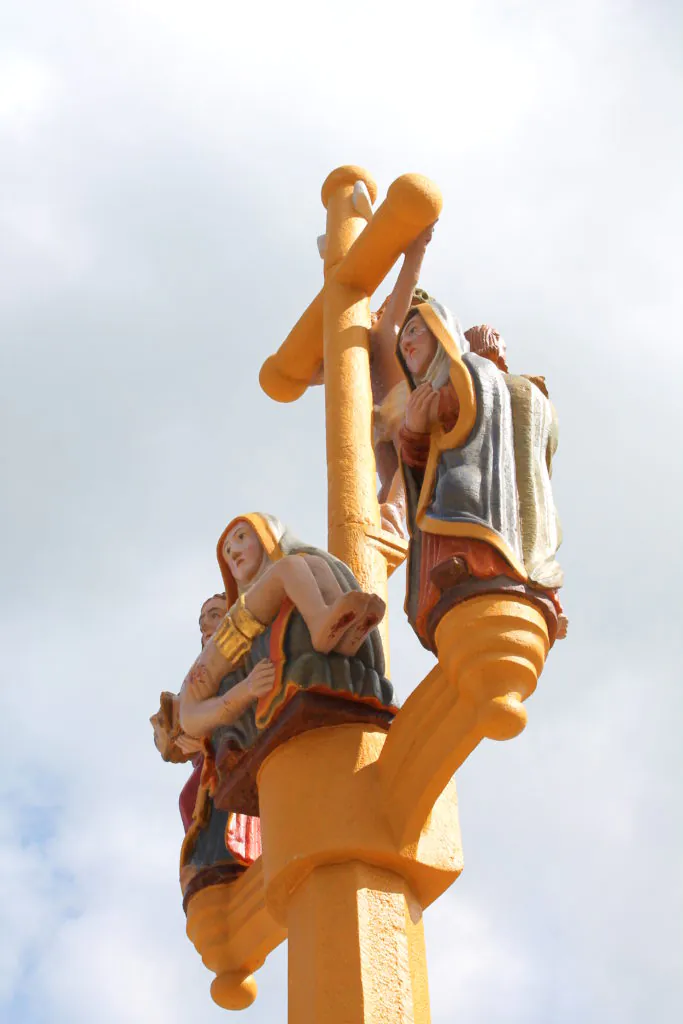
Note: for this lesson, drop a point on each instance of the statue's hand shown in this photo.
(235, 701)
(260, 680)
(422, 240)
(422, 409)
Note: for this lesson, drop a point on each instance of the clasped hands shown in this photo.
(259, 681)
(422, 409)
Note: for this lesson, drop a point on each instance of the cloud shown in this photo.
(493, 977)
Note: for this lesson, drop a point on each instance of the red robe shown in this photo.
(188, 794)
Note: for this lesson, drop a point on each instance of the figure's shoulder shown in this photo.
(529, 382)
(538, 381)
(480, 365)
(484, 371)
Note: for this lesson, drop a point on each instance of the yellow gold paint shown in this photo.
(334, 329)
(381, 975)
(233, 933)
(322, 801)
(413, 202)
(494, 648)
(350, 896)
(393, 548)
(460, 379)
(248, 625)
(232, 644)
(417, 776)
(351, 477)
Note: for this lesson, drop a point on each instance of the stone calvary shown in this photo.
(317, 811)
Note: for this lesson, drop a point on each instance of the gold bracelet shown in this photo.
(248, 625)
(232, 644)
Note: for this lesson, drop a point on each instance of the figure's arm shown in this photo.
(386, 369)
(167, 735)
(201, 712)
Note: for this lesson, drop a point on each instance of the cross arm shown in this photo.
(286, 375)
(413, 202)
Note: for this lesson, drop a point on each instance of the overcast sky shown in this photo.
(160, 170)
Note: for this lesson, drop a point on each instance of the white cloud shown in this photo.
(32, 904)
(27, 91)
(475, 969)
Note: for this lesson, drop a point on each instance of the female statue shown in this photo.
(249, 669)
(476, 448)
(389, 389)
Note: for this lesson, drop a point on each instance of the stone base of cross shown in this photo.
(360, 822)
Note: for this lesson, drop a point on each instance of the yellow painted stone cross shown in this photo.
(360, 825)
(359, 249)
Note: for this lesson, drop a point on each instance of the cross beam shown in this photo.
(359, 251)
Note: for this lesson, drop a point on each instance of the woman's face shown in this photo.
(418, 346)
(243, 552)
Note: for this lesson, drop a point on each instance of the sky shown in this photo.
(160, 173)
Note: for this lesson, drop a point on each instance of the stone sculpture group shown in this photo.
(293, 640)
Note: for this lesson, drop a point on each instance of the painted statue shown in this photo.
(389, 387)
(239, 844)
(266, 570)
(172, 743)
(476, 448)
(251, 666)
(183, 747)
